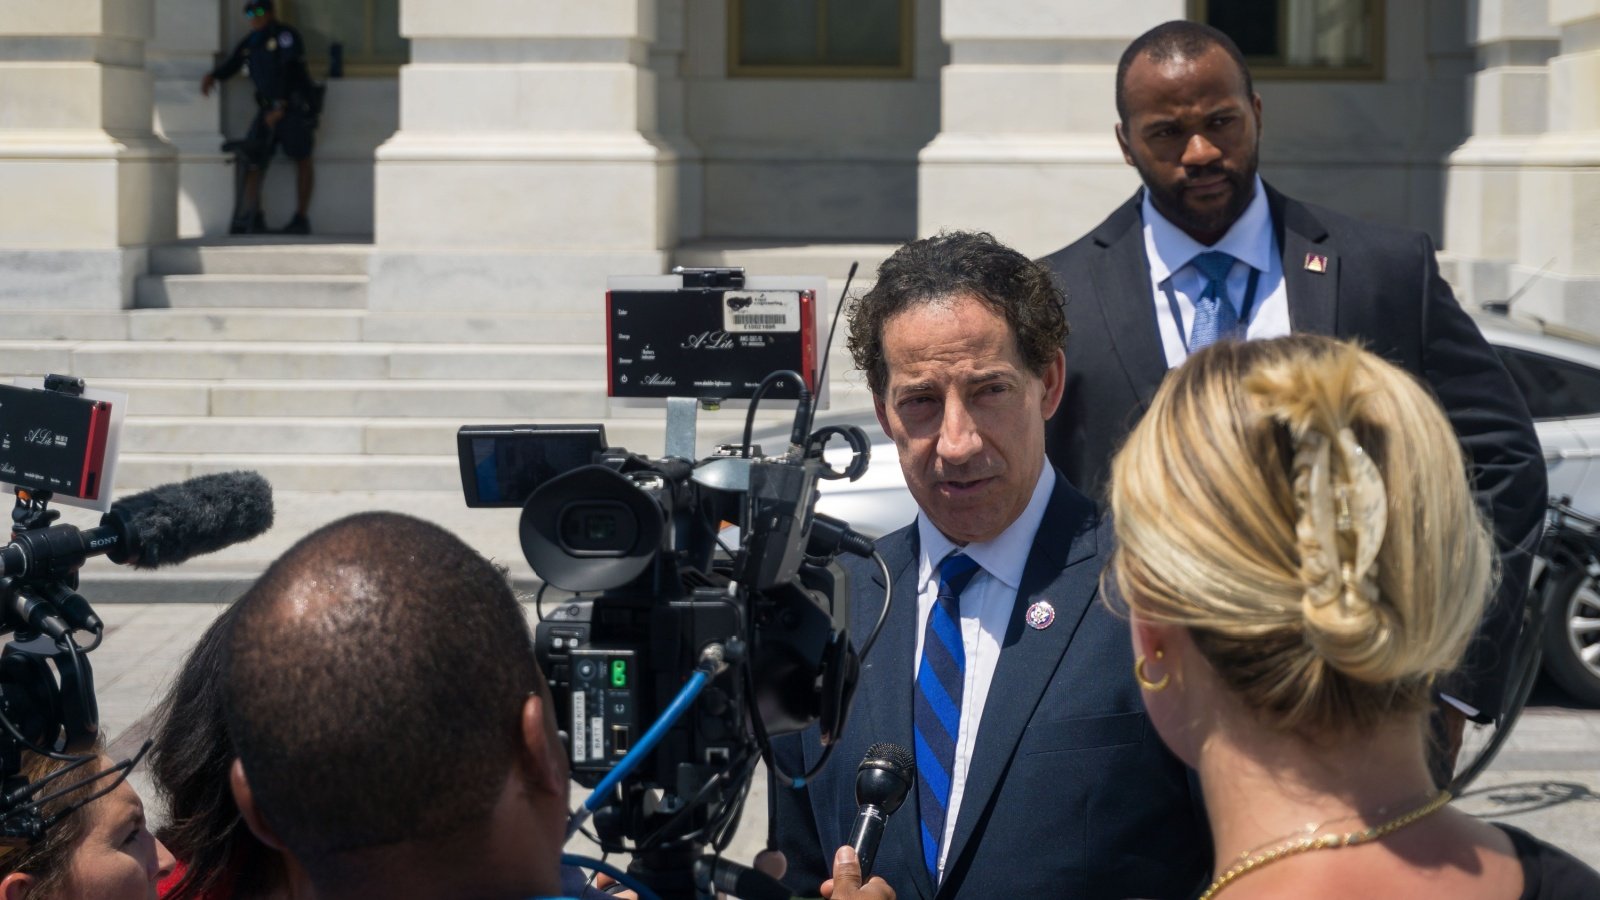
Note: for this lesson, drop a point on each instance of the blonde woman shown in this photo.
(1301, 558)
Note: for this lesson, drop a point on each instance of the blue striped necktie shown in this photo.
(936, 708)
(1214, 315)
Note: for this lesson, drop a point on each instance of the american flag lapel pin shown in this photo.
(1316, 262)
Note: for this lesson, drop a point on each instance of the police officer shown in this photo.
(276, 57)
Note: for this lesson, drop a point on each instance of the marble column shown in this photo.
(87, 185)
(1025, 147)
(526, 167)
(187, 40)
(1559, 202)
(1514, 42)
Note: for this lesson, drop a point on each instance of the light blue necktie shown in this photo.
(1214, 315)
(936, 706)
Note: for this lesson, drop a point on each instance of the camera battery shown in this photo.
(604, 707)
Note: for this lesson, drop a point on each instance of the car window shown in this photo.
(1554, 388)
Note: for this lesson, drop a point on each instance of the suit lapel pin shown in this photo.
(1040, 615)
(1316, 262)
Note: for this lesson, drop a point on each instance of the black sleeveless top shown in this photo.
(1550, 873)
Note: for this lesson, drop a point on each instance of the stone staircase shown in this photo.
(249, 354)
(252, 353)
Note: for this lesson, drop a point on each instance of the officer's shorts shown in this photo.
(294, 134)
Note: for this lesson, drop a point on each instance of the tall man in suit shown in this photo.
(1038, 773)
(1208, 250)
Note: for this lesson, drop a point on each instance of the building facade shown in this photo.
(497, 147)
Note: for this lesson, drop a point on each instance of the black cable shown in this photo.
(827, 351)
(723, 835)
(538, 601)
(761, 390)
(883, 614)
(28, 790)
(765, 742)
(122, 770)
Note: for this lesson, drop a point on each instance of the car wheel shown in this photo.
(1571, 639)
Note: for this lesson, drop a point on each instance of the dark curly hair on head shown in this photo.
(955, 264)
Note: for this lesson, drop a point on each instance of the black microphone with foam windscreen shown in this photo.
(163, 526)
(173, 523)
(886, 775)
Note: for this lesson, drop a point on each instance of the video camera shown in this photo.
(662, 601)
(59, 442)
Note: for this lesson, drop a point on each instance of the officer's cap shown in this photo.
(258, 4)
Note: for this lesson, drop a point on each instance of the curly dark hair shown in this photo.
(189, 763)
(960, 264)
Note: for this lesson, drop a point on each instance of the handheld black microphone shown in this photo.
(886, 775)
(163, 526)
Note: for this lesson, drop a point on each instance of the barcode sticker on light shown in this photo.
(761, 311)
(580, 729)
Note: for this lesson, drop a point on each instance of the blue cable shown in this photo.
(675, 710)
(633, 884)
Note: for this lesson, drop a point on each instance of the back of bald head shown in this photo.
(375, 682)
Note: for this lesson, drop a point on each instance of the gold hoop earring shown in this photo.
(1144, 681)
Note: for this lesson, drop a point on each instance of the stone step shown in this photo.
(110, 360)
(274, 291)
(527, 401)
(201, 436)
(262, 255)
(222, 576)
(296, 472)
(64, 325)
(246, 324)
(530, 401)
(771, 258)
(586, 328)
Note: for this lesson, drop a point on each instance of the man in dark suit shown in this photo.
(1208, 250)
(1038, 773)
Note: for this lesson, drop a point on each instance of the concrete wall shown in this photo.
(86, 184)
(1378, 149)
(805, 159)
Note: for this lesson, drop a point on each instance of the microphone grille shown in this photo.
(894, 755)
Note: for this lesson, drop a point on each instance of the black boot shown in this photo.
(255, 224)
(298, 225)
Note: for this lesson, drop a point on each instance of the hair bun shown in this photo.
(1341, 507)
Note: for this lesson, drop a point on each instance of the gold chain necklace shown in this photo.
(1325, 842)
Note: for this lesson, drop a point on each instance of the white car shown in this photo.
(1560, 379)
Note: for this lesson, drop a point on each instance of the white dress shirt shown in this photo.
(1174, 282)
(987, 604)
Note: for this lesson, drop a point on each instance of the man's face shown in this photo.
(966, 414)
(258, 17)
(1195, 136)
